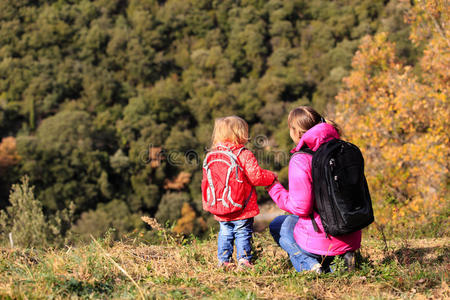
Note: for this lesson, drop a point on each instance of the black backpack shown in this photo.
(341, 193)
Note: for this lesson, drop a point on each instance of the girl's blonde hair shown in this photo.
(303, 118)
(230, 129)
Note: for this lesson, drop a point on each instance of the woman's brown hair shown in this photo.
(303, 118)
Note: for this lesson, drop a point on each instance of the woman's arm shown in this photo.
(299, 198)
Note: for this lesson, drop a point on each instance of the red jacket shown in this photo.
(256, 177)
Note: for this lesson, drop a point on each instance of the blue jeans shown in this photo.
(239, 232)
(282, 230)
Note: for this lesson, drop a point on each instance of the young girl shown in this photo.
(229, 135)
(307, 249)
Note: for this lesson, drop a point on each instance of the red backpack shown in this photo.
(224, 184)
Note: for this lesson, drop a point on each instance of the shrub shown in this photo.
(114, 214)
(26, 222)
(24, 218)
(189, 223)
(169, 208)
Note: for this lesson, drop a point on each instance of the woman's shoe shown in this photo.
(350, 260)
(317, 268)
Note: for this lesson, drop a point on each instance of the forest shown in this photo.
(107, 106)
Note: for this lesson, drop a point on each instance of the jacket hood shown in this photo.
(231, 146)
(316, 136)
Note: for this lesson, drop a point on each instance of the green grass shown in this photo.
(186, 269)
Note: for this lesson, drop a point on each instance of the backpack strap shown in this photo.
(240, 150)
(253, 188)
(237, 164)
(315, 226)
(307, 150)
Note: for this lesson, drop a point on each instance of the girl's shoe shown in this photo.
(226, 265)
(244, 264)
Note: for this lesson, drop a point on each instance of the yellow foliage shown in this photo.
(189, 223)
(401, 120)
(155, 156)
(8, 153)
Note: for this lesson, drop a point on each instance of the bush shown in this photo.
(169, 208)
(95, 223)
(24, 218)
(26, 222)
(189, 223)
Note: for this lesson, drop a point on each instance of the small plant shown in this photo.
(24, 219)
(24, 224)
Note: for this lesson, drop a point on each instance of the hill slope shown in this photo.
(180, 268)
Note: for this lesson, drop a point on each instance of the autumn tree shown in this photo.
(9, 157)
(189, 223)
(8, 154)
(399, 116)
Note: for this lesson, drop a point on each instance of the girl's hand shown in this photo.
(275, 181)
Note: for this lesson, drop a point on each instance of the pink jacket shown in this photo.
(256, 177)
(299, 200)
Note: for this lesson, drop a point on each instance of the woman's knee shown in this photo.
(275, 225)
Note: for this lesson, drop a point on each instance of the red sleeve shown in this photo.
(255, 174)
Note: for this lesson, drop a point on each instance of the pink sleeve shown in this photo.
(255, 174)
(299, 199)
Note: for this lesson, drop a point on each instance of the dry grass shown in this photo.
(179, 268)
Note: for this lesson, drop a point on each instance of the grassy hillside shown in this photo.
(179, 268)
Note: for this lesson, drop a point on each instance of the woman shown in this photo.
(308, 249)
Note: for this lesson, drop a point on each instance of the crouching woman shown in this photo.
(308, 249)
